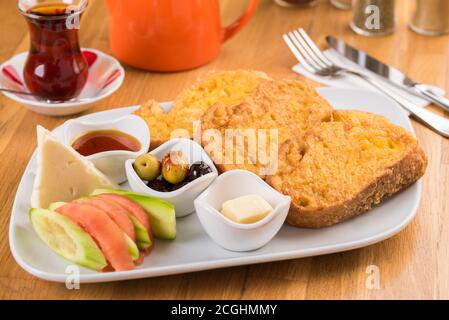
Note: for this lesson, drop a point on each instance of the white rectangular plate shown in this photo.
(193, 250)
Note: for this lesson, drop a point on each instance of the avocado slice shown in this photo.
(161, 212)
(67, 239)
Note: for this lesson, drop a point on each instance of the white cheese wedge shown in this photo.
(62, 173)
(246, 209)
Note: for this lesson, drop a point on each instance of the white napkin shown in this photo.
(351, 81)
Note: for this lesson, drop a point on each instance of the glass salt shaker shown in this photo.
(342, 4)
(296, 3)
(430, 17)
(373, 17)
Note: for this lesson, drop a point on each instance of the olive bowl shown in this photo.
(183, 197)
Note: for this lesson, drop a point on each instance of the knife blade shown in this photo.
(393, 75)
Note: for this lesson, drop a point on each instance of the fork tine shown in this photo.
(297, 54)
(304, 53)
(309, 51)
(315, 48)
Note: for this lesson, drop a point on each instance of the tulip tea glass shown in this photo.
(55, 68)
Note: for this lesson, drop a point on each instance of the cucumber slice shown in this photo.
(55, 205)
(132, 247)
(67, 239)
(161, 212)
(142, 237)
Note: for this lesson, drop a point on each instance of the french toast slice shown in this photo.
(344, 167)
(289, 107)
(224, 87)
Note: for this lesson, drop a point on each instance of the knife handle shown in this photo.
(437, 99)
(432, 120)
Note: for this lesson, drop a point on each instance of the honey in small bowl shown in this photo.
(98, 141)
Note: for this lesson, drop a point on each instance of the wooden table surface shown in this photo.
(412, 264)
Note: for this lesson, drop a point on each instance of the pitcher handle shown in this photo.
(237, 25)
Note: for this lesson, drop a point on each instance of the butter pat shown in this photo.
(246, 209)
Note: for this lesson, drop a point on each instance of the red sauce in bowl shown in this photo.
(105, 140)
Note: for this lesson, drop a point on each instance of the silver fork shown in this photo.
(314, 61)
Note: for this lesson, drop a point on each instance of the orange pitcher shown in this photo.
(169, 35)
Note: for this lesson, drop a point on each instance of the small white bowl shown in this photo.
(182, 198)
(111, 163)
(235, 236)
(106, 75)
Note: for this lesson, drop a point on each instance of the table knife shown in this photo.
(393, 75)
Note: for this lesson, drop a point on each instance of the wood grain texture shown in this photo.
(412, 264)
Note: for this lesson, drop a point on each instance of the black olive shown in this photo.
(197, 170)
(180, 185)
(160, 185)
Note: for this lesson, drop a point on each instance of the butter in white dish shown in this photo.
(246, 209)
(63, 174)
(238, 236)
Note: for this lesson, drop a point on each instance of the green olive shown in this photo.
(175, 167)
(147, 167)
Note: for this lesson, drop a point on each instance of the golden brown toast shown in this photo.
(224, 87)
(345, 166)
(289, 106)
(334, 164)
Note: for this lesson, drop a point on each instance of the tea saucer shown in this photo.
(106, 75)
